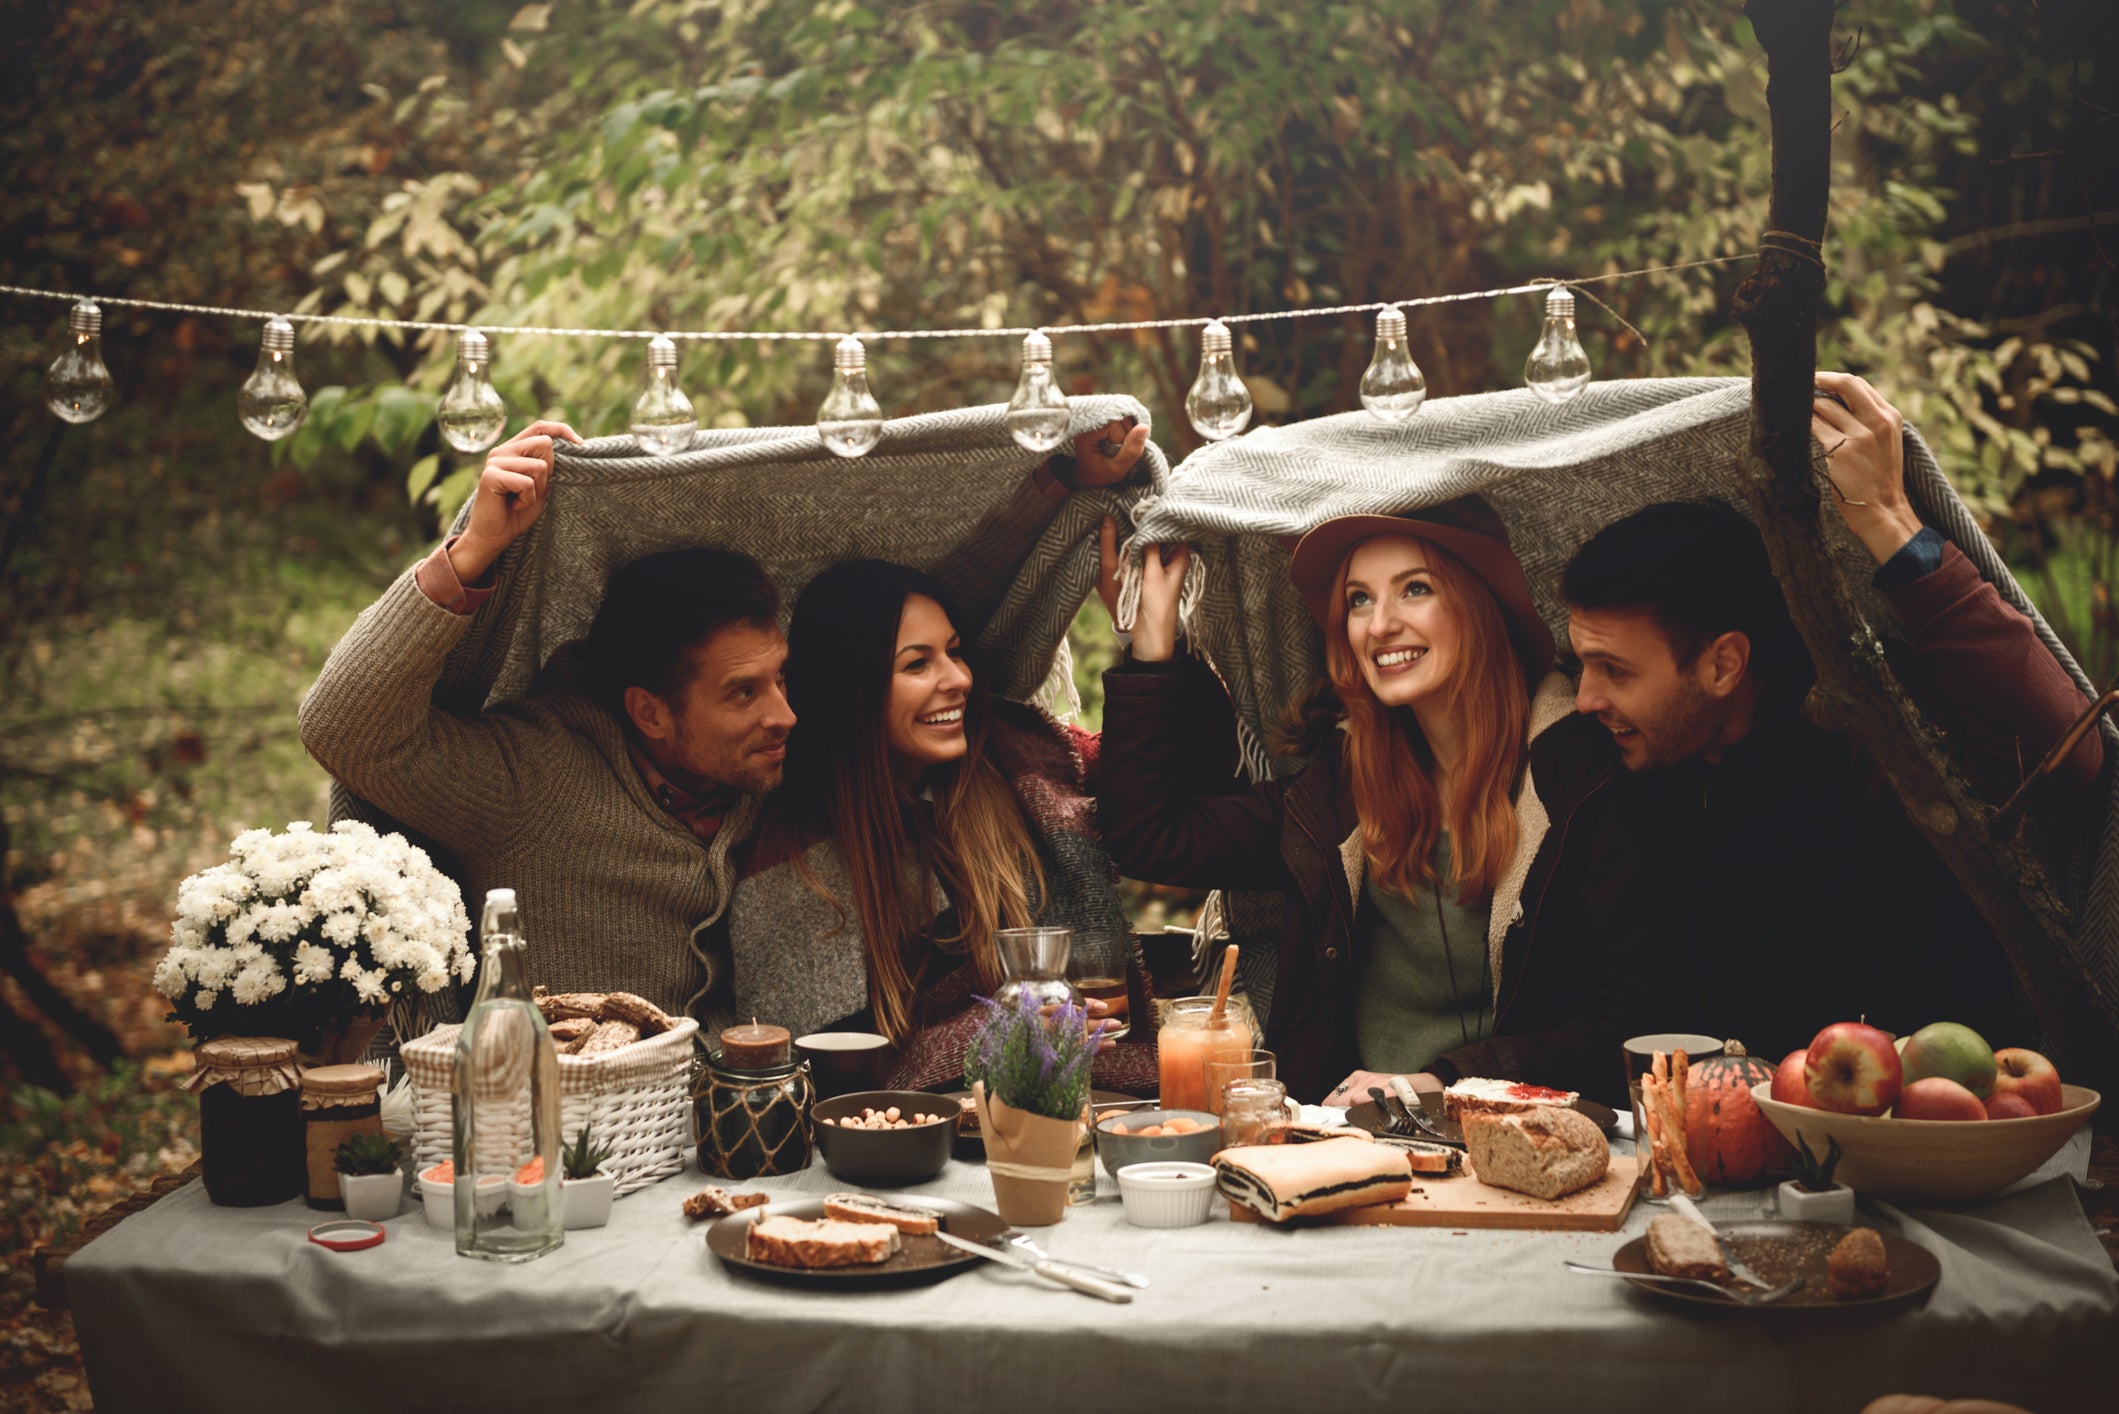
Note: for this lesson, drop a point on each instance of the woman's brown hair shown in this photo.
(842, 653)
(1389, 766)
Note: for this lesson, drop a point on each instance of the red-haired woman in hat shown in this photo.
(1468, 872)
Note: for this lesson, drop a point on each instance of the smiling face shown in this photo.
(1658, 712)
(1404, 634)
(923, 715)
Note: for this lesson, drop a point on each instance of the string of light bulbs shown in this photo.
(471, 414)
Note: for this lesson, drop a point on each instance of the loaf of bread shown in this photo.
(864, 1208)
(1282, 1181)
(1680, 1247)
(1547, 1153)
(649, 1019)
(782, 1241)
(1857, 1268)
(609, 1036)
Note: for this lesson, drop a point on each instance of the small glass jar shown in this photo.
(250, 1120)
(753, 1123)
(338, 1102)
(1251, 1106)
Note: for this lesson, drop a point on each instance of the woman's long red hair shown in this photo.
(1390, 769)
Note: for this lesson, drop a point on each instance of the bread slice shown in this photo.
(1502, 1097)
(1547, 1153)
(865, 1208)
(782, 1241)
(1680, 1247)
(1433, 1160)
(714, 1201)
(1857, 1267)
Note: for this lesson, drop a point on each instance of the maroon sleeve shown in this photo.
(1978, 670)
(436, 578)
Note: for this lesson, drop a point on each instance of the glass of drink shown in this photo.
(1100, 966)
(1189, 1038)
(1243, 1065)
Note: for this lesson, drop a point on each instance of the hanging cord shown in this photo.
(767, 336)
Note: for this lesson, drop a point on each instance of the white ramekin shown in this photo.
(1166, 1194)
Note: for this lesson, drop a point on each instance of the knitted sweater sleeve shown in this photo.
(371, 723)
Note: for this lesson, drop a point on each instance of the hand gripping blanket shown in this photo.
(1556, 475)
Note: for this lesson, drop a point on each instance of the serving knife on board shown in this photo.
(1046, 1268)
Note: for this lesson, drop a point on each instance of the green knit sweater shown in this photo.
(1407, 1008)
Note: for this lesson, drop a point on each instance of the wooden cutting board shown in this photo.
(1464, 1202)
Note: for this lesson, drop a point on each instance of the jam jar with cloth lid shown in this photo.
(250, 1119)
(338, 1102)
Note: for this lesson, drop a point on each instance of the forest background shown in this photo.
(169, 585)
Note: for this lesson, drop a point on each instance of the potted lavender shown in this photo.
(1029, 1073)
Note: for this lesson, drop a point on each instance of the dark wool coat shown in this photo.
(1584, 929)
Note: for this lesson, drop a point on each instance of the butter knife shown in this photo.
(1737, 1269)
(1048, 1269)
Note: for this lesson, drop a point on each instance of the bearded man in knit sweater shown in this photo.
(610, 796)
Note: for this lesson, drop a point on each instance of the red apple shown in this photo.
(2007, 1104)
(1937, 1097)
(1789, 1086)
(1854, 1069)
(2026, 1073)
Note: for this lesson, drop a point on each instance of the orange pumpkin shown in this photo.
(1726, 1136)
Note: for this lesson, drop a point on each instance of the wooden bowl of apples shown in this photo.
(1931, 1160)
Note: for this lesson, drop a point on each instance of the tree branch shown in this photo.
(1777, 304)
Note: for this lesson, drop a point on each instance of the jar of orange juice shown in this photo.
(1189, 1038)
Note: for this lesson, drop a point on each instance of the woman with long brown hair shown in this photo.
(1468, 875)
(919, 815)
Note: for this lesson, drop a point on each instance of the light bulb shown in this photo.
(78, 387)
(1219, 404)
(1037, 415)
(1558, 367)
(850, 420)
(471, 413)
(663, 420)
(272, 404)
(1392, 388)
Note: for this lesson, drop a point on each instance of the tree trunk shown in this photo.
(1856, 692)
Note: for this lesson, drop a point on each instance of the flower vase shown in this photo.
(345, 1041)
(1030, 1157)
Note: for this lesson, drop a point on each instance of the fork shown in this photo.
(1741, 1298)
(1396, 1116)
(1023, 1242)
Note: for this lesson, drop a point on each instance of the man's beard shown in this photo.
(1682, 733)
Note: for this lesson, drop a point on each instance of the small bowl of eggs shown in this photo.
(1145, 1136)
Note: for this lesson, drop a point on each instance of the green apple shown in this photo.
(1952, 1052)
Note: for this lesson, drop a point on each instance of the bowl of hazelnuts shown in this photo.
(884, 1137)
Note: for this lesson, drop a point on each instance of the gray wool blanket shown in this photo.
(1556, 475)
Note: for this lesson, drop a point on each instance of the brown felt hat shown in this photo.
(1466, 527)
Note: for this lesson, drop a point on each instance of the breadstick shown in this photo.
(1679, 1068)
(1659, 1066)
(1674, 1123)
(1658, 1150)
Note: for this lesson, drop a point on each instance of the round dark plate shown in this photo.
(917, 1261)
(1780, 1250)
(971, 1147)
(1367, 1116)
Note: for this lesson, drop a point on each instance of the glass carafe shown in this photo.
(508, 1204)
(1034, 964)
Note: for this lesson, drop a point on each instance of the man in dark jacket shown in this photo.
(1811, 897)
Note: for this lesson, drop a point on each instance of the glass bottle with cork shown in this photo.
(506, 1112)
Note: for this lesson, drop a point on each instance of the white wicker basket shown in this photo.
(636, 1100)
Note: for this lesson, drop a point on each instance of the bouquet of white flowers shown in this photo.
(302, 932)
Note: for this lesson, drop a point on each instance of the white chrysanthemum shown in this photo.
(248, 841)
(281, 922)
(368, 985)
(432, 979)
(254, 984)
(313, 963)
(350, 969)
(205, 997)
(356, 829)
(170, 979)
(343, 929)
(213, 967)
(249, 954)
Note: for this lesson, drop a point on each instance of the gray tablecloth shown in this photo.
(189, 1306)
